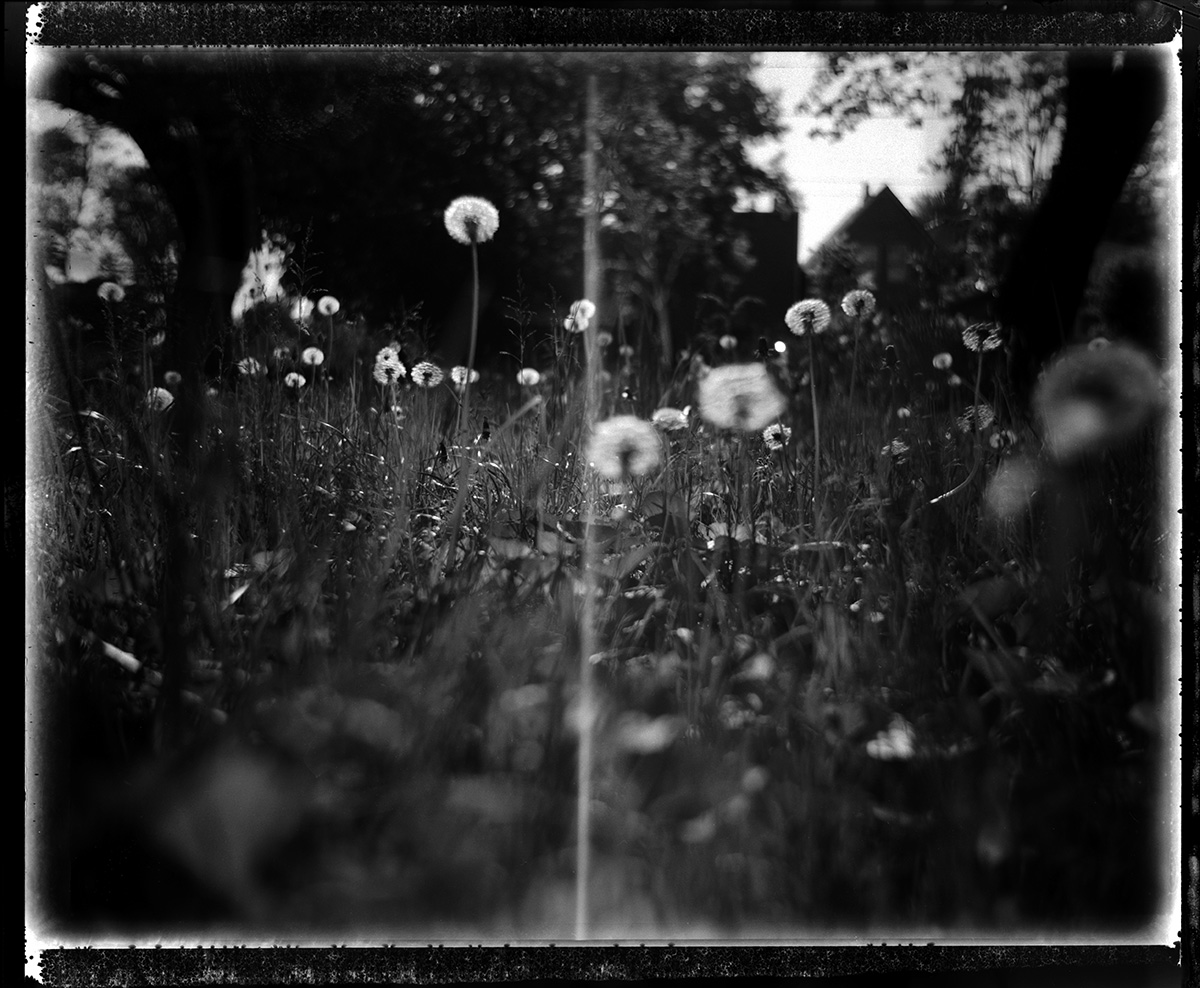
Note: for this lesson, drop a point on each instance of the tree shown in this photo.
(358, 155)
(1089, 116)
(675, 164)
(834, 268)
(1007, 108)
(509, 126)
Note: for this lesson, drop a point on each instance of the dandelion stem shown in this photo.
(854, 364)
(466, 460)
(816, 471)
(464, 408)
(978, 381)
(329, 357)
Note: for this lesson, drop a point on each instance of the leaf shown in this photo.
(639, 734)
(509, 548)
(554, 544)
(276, 563)
(1055, 680)
(823, 546)
(621, 567)
(122, 658)
(577, 531)
(236, 595)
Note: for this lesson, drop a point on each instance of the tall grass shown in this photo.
(475, 687)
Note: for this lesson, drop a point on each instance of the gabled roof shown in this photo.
(883, 218)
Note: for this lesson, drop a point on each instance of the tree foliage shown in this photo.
(1006, 111)
(674, 162)
(355, 157)
(1006, 107)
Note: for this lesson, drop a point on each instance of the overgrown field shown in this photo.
(852, 643)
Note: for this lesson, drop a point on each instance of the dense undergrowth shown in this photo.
(274, 695)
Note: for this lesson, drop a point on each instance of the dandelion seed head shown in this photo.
(327, 305)
(626, 351)
(976, 417)
(251, 367)
(426, 374)
(159, 399)
(604, 338)
(733, 715)
(954, 381)
(295, 380)
(755, 779)
(582, 309)
(898, 742)
(1090, 400)
(669, 419)
(528, 377)
(903, 412)
(172, 378)
(302, 309)
(776, 436)
(943, 361)
(1002, 439)
(727, 342)
(740, 396)
(110, 291)
(312, 356)
(624, 446)
(471, 220)
(982, 336)
(809, 315)
(1011, 488)
(388, 368)
(859, 303)
(896, 448)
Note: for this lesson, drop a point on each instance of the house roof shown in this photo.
(882, 218)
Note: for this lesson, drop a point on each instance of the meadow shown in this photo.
(800, 640)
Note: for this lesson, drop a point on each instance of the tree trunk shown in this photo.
(1110, 111)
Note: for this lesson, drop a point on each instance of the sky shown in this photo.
(829, 175)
